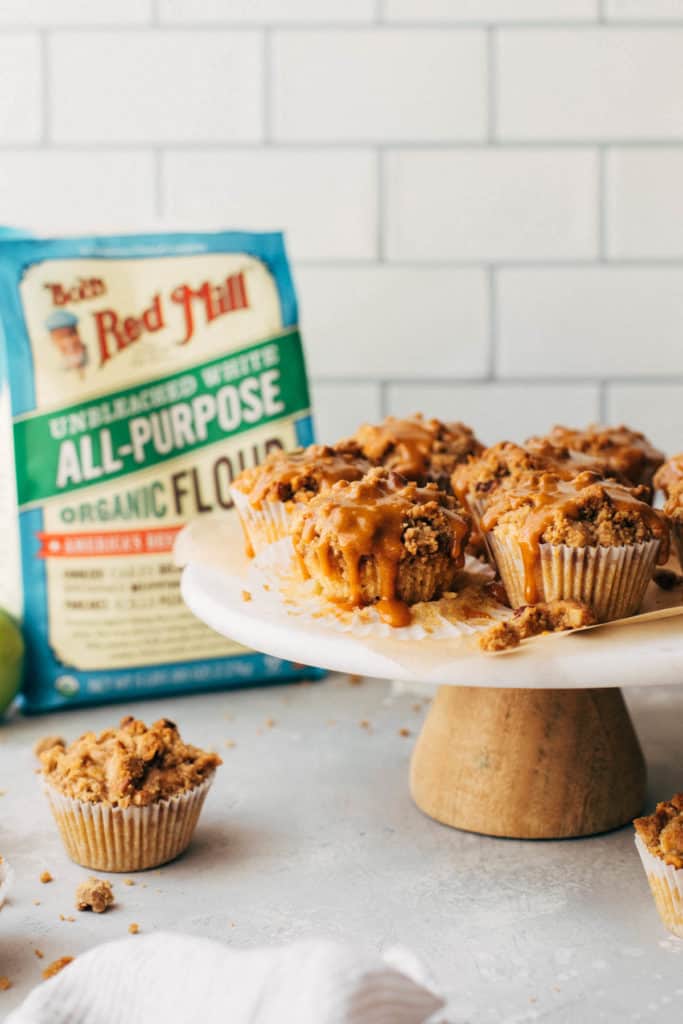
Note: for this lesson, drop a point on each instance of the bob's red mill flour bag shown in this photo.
(140, 375)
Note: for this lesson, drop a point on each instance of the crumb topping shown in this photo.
(365, 532)
(674, 503)
(532, 620)
(662, 831)
(419, 449)
(47, 743)
(626, 453)
(133, 765)
(56, 966)
(94, 894)
(298, 475)
(670, 475)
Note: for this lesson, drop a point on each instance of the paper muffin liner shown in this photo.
(106, 838)
(264, 525)
(6, 879)
(612, 580)
(666, 885)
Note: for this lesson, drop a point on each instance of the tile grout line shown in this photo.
(602, 154)
(602, 401)
(491, 86)
(389, 146)
(381, 207)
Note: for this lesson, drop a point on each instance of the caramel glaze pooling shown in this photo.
(296, 475)
(547, 496)
(419, 449)
(377, 518)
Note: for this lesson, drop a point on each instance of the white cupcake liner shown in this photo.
(612, 580)
(666, 885)
(264, 525)
(106, 838)
(6, 880)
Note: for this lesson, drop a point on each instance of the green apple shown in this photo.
(11, 660)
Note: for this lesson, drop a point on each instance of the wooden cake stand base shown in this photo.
(528, 764)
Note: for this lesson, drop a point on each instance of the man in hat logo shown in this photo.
(63, 328)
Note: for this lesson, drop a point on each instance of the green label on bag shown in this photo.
(102, 439)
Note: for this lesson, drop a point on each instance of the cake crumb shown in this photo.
(246, 595)
(36, 903)
(56, 966)
(355, 680)
(39, 953)
(129, 881)
(67, 917)
(133, 928)
(364, 724)
(5, 983)
(270, 723)
(94, 894)
(534, 619)
(404, 732)
(47, 743)
(46, 877)
(230, 744)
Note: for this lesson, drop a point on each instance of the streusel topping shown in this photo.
(674, 503)
(134, 765)
(670, 474)
(626, 453)
(662, 831)
(298, 475)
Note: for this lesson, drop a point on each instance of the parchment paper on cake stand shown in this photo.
(533, 744)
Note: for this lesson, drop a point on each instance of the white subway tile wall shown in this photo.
(482, 197)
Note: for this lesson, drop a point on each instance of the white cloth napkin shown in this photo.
(179, 978)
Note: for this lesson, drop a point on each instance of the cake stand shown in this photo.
(536, 743)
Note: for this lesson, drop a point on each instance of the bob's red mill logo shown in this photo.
(116, 331)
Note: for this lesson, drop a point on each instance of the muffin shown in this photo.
(421, 450)
(381, 540)
(670, 474)
(625, 454)
(659, 841)
(128, 798)
(266, 495)
(673, 509)
(584, 539)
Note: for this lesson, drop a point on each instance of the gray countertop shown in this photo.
(310, 831)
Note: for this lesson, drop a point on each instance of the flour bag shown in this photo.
(140, 375)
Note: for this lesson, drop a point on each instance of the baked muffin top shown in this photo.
(662, 831)
(297, 475)
(626, 453)
(419, 449)
(670, 474)
(134, 765)
(382, 516)
(585, 511)
(674, 503)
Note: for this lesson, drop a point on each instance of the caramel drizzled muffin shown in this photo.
(584, 539)
(383, 541)
(419, 449)
(128, 798)
(670, 474)
(673, 509)
(266, 495)
(659, 841)
(626, 454)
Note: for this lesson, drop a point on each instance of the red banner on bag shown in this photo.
(116, 542)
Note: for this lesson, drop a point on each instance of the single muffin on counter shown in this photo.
(659, 841)
(381, 540)
(128, 798)
(670, 475)
(423, 450)
(673, 509)
(584, 539)
(265, 495)
(625, 454)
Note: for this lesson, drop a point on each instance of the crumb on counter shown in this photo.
(133, 928)
(404, 732)
(270, 723)
(36, 903)
(46, 877)
(47, 743)
(5, 983)
(39, 953)
(67, 917)
(56, 966)
(534, 619)
(355, 680)
(129, 881)
(94, 894)
(364, 724)
(246, 595)
(230, 744)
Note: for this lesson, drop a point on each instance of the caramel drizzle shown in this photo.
(311, 470)
(549, 494)
(365, 521)
(408, 445)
